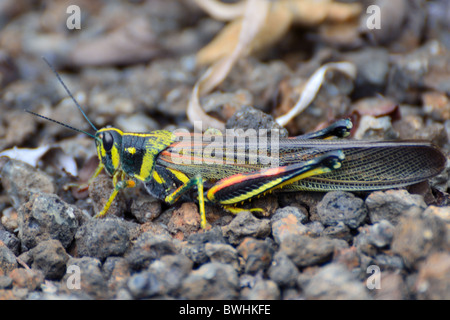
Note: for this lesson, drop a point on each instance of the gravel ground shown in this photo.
(391, 244)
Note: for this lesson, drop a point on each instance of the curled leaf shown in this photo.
(254, 17)
(312, 88)
(222, 11)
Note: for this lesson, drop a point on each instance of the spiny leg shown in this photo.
(196, 181)
(241, 187)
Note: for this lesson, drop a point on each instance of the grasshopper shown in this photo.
(170, 168)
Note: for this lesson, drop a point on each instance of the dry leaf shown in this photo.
(222, 11)
(282, 14)
(312, 88)
(254, 17)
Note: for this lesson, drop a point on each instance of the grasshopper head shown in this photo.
(109, 145)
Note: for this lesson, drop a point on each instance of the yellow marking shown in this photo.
(158, 178)
(180, 175)
(131, 150)
(250, 194)
(115, 157)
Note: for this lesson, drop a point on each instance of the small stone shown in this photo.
(299, 212)
(101, 238)
(26, 278)
(339, 231)
(339, 206)
(184, 221)
(391, 204)
(46, 217)
(195, 247)
(171, 270)
(5, 282)
(148, 247)
(334, 281)
(287, 221)
(50, 258)
(223, 253)
(437, 105)
(144, 285)
(7, 260)
(10, 219)
(216, 281)
(21, 180)
(250, 118)
(283, 271)
(392, 287)
(381, 234)
(433, 281)
(146, 209)
(442, 213)
(415, 238)
(92, 283)
(305, 251)
(263, 290)
(117, 271)
(256, 253)
(246, 225)
(11, 241)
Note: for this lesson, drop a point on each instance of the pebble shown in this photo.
(223, 253)
(148, 247)
(46, 217)
(11, 241)
(339, 231)
(262, 290)
(250, 118)
(415, 238)
(339, 206)
(245, 225)
(392, 287)
(171, 270)
(257, 254)
(144, 285)
(391, 204)
(283, 271)
(5, 282)
(433, 281)
(7, 260)
(195, 250)
(184, 221)
(286, 221)
(146, 209)
(50, 258)
(101, 238)
(29, 279)
(21, 180)
(213, 280)
(333, 282)
(305, 251)
(378, 235)
(93, 284)
(117, 271)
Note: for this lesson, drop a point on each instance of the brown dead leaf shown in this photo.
(254, 18)
(282, 14)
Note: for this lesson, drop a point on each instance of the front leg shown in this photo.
(118, 185)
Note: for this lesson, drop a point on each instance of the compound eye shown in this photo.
(108, 141)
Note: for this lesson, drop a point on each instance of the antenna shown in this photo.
(70, 94)
(60, 123)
